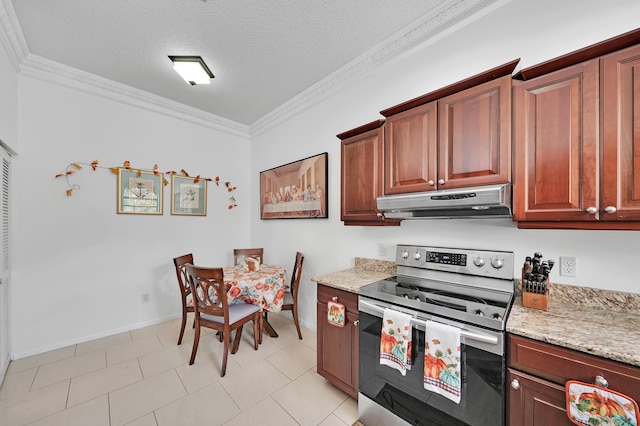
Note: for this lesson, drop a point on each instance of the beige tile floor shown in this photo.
(142, 378)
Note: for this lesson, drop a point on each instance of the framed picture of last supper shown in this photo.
(296, 190)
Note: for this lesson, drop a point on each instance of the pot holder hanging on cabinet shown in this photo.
(335, 313)
(591, 405)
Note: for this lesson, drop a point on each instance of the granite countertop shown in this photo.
(603, 323)
(366, 271)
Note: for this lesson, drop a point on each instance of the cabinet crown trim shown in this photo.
(361, 129)
(602, 48)
(483, 77)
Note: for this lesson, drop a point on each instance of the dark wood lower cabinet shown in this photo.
(532, 401)
(537, 375)
(338, 346)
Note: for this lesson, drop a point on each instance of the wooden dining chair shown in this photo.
(241, 254)
(290, 302)
(185, 289)
(212, 310)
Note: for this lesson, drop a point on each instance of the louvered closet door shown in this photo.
(4, 266)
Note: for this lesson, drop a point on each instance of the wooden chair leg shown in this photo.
(196, 341)
(236, 340)
(225, 354)
(256, 330)
(184, 324)
(295, 320)
(261, 328)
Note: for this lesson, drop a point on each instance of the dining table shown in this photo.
(264, 287)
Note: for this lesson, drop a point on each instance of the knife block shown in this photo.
(535, 300)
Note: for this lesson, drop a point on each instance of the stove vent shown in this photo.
(477, 202)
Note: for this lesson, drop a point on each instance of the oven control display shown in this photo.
(446, 258)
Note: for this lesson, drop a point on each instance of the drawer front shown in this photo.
(349, 300)
(558, 365)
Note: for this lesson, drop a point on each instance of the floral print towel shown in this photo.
(592, 405)
(442, 360)
(395, 340)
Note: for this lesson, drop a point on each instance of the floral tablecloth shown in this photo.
(264, 288)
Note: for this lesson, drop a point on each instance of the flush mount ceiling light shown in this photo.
(192, 69)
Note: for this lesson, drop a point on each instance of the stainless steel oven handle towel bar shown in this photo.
(420, 323)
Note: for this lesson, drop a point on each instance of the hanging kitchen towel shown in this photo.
(593, 405)
(442, 360)
(395, 340)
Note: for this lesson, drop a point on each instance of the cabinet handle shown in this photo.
(610, 209)
(601, 381)
(440, 181)
(515, 384)
(591, 210)
(431, 182)
(356, 323)
(334, 299)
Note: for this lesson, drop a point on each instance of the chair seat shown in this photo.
(288, 298)
(237, 311)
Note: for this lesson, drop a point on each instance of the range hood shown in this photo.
(480, 201)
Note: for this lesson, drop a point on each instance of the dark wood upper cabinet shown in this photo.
(620, 105)
(556, 145)
(474, 143)
(362, 175)
(457, 136)
(411, 153)
(576, 134)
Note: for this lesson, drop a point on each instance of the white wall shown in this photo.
(79, 269)
(8, 98)
(531, 30)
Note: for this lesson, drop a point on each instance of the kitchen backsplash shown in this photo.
(615, 301)
(384, 266)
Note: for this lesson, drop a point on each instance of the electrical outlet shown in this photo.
(568, 266)
(382, 250)
(144, 298)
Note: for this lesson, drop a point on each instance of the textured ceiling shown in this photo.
(262, 53)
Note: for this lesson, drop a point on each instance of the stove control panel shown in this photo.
(447, 258)
(483, 263)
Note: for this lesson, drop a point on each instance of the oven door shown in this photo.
(482, 400)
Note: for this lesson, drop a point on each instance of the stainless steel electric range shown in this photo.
(466, 288)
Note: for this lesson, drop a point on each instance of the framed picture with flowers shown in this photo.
(189, 196)
(139, 192)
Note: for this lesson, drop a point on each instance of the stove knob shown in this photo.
(417, 256)
(496, 316)
(405, 254)
(497, 263)
(479, 262)
(478, 312)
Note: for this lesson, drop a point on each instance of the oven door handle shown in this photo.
(463, 333)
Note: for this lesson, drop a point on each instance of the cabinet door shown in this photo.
(534, 402)
(621, 135)
(474, 145)
(338, 351)
(556, 146)
(362, 178)
(410, 150)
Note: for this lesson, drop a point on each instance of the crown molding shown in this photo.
(44, 69)
(47, 70)
(442, 20)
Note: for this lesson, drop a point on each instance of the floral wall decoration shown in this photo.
(75, 167)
